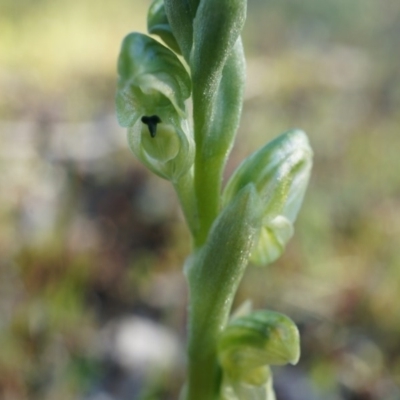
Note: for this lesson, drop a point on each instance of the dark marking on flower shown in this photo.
(151, 122)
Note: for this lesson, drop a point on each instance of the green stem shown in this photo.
(185, 191)
(207, 188)
(206, 177)
(207, 319)
(204, 373)
(214, 273)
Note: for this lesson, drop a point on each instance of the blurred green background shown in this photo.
(92, 299)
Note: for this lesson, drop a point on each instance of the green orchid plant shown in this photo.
(181, 104)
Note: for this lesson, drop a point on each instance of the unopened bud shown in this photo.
(280, 172)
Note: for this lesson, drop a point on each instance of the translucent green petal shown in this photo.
(151, 78)
(273, 237)
(170, 154)
(239, 390)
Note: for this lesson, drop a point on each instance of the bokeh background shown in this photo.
(92, 297)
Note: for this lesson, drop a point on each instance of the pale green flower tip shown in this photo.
(259, 339)
(296, 170)
(274, 167)
(290, 154)
(283, 344)
(292, 140)
(297, 136)
(301, 142)
(284, 349)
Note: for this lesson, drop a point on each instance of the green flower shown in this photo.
(151, 80)
(251, 343)
(280, 172)
(152, 88)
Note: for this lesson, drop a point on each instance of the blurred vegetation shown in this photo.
(88, 236)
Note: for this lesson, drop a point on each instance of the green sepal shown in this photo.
(170, 154)
(251, 343)
(180, 15)
(280, 172)
(216, 269)
(158, 24)
(227, 109)
(216, 28)
(151, 80)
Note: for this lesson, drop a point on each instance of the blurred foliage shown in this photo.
(86, 235)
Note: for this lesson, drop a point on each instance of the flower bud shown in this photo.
(280, 172)
(251, 343)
